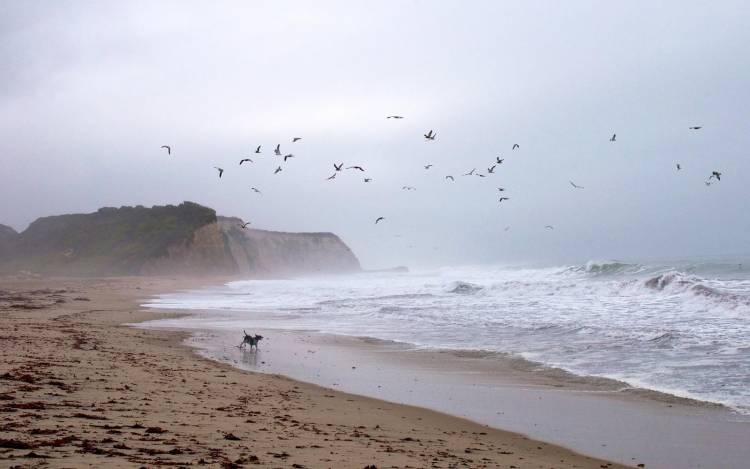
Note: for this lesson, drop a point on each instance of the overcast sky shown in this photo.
(89, 91)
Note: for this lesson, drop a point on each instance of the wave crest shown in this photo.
(464, 288)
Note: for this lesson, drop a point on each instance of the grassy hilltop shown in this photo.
(112, 241)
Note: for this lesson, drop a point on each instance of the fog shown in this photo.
(89, 91)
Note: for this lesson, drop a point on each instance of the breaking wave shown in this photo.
(679, 326)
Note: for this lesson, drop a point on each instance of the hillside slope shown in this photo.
(187, 239)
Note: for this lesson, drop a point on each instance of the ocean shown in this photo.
(681, 328)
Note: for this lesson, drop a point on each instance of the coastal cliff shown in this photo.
(187, 239)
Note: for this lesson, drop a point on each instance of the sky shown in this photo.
(89, 91)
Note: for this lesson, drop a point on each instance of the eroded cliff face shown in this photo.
(277, 253)
(206, 253)
(184, 240)
(225, 248)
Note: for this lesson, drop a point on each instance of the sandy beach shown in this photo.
(79, 388)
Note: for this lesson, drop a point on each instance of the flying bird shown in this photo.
(715, 174)
(708, 183)
(450, 177)
(614, 138)
(697, 127)
(515, 145)
(355, 167)
(575, 185)
(338, 166)
(679, 167)
(379, 219)
(257, 150)
(428, 166)
(395, 117)
(491, 169)
(220, 170)
(430, 135)
(470, 173)
(256, 190)
(243, 160)
(550, 227)
(277, 150)
(368, 179)
(479, 175)
(409, 188)
(169, 149)
(507, 228)
(244, 225)
(499, 160)
(503, 198)
(286, 157)
(501, 189)
(277, 170)
(333, 176)
(296, 139)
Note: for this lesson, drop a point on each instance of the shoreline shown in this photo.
(79, 388)
(593, 418)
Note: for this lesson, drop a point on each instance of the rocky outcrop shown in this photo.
(165, 240)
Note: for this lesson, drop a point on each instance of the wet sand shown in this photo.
(78, 388)
(600, 417)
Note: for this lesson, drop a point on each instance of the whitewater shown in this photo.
(681, 328)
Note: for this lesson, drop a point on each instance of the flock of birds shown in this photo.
(429, 136)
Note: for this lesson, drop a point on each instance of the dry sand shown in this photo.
(79, 388)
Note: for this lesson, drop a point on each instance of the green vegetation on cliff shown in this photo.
(110, 241)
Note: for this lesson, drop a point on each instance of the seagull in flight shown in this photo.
(244, 225)
(169, 149)
(428, 166)
(244, 160)
(503, 198)
(379, 219)
(277, 170)
(368, 179)
(430, 135)
(707, 183)
(470, 173)
(507, 228)
(450, 177)
(696, 127)
(614, 138)
(715, 174)
(491, 169)
(257, 150)
(355, 167)
(409, 188)
(515, 145)
(395, 117)
(575, 185)
(501, 189)
(256, 190)
(286, 157)
(333, 176)
(679, 167)
(338, 166)
(479, 175)
(277, 150)
(220, 170)
(550, 227)
(296, 139)
(499, 160)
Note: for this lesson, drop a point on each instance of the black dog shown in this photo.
(253, 340)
